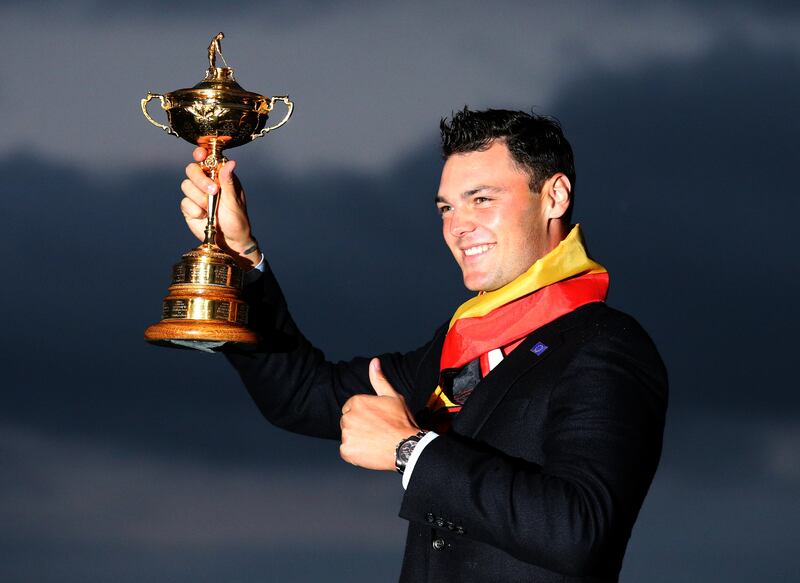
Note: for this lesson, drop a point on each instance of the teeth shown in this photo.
(477, 250)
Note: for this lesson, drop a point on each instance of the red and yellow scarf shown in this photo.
(558, 283)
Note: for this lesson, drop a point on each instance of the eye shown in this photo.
(479, 200)
(444, 208)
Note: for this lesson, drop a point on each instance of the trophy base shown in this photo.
(204, 309)
(198, 334)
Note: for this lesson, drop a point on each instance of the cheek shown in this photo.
(493, 219)
(527, 241)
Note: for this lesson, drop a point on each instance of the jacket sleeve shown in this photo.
(574, 512)
(290, 380)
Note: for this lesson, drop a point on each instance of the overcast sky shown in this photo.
(125, 462)
(374, 77)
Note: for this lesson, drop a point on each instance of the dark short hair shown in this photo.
(536, 142)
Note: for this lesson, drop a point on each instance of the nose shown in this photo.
(460, 224)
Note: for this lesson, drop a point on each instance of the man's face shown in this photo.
(493, 224)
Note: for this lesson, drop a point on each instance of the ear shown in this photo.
(556, 196)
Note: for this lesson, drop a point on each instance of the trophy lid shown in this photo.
(219, 81)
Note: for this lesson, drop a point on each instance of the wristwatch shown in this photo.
(403, 451)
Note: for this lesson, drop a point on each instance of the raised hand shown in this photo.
(233, 223)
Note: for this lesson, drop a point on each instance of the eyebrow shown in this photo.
(469, 193)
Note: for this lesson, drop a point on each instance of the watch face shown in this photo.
(406, 449)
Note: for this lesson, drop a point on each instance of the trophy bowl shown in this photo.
(217, 110)
(204, 308)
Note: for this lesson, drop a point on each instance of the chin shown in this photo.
(475, 284)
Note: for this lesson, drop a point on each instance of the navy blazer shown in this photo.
(544, 471)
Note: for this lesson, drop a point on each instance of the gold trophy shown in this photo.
(204, 308)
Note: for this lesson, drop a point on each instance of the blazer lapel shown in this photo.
(535, 349)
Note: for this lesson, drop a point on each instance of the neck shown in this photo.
(557, 231)
(566, 260)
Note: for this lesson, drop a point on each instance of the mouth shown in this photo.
(478, 250)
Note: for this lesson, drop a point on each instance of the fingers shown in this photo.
(197, 185)
(200, 180)
(194, 194)
(191, 210)
(379, 383)
(205, 186)
(355, 419)
(348, 453)
(199, 154)
(343, 420)
(358, 405)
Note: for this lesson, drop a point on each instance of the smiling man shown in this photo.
(528, 430)
(492, 224)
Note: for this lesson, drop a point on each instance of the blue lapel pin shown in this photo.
(539, 348)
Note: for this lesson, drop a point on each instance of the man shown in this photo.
(529, 428)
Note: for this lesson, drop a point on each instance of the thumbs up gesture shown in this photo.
(373, 425)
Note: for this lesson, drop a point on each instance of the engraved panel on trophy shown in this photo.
(179, 273)
(220, 276)
(222, 310)
(178, 308)
(241, 313)
(237, 278)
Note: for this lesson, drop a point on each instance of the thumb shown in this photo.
(226, 181)
(379, 383)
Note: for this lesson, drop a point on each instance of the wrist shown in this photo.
(246, 253)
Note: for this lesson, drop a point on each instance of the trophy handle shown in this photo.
(272, 100)
(145, 101)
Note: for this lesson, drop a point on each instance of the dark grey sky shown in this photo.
(127, 462)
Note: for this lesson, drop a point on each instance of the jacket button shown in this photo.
(438, 544)
(430, 517)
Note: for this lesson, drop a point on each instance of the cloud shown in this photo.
(66, 490)
(77, 511)
(370, 82)
(739, 531)
(672, 160)
(90, 511)
(782, 451)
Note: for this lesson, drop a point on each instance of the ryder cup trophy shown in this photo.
(204, 308)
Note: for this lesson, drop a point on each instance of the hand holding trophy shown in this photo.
(204, 308)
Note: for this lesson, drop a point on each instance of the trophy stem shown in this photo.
(211, 166)
(210, 238)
